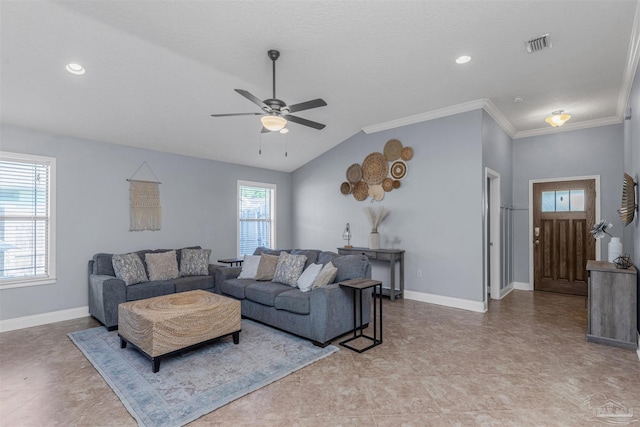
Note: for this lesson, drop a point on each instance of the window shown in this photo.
(563, 201)
(27, 220)
(256, 216)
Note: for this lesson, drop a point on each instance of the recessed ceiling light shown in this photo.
(75, 69)
(463, 59)
(518, 99)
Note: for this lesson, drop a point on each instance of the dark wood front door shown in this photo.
(563, 214)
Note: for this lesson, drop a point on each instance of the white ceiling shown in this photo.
(156, 70)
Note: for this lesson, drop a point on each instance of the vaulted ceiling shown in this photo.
(156, 70)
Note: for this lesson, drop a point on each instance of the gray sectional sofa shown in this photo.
(320, 315)
(106, 291)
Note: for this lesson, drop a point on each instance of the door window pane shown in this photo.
(562, 201)
(548, 201)
(576, 200)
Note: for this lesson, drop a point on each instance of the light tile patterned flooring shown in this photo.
(523, 363)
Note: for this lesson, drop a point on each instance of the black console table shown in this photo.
(387, 255)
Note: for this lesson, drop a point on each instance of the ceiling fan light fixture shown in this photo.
(284, 130)
(557, 118)
(273, 123)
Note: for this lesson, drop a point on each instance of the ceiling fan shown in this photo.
(276, 112)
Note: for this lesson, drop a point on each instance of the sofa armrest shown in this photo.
(222, 273)
(105, 293)
(332, 310)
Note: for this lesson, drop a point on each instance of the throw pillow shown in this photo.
(162, 265)
(326, 276)
(305, 281)
(289, 269)
(195, 262)
(267, 267)
(129, 268)
(249, 267)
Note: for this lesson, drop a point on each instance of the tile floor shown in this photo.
(523, 363)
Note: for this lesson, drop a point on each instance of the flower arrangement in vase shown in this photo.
(614, 249)
(376, 216)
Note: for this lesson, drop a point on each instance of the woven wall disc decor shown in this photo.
(376, 192)
(387, 184)
(396, 184)
(406, 154)
(392, 150)
(398, 169)
(345, 188)
(360, 191)
(374, 168)
(354, 173)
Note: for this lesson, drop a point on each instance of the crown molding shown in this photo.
(568, 127)
(499, 118)
(632, 63)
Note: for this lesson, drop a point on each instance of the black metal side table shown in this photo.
(358, 285)
(231, 261)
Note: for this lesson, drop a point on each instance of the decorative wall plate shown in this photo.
(398, 169)
(354, 173)
(374, 168)
(392, 150)
(345, 188)
(387, 184)
(406, 154)
(360, 191)
(376, 192)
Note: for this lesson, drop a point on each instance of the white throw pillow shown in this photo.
(249, 267)
(326, 276)
(309, 275)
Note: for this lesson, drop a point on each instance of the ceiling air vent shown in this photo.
(538, 43)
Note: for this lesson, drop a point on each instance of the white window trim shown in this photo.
(51, 241)
(273, 210)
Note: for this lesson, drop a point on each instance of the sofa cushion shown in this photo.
(236, 287)
(162, 265)
(262, 250)
(350, 267)
(326, 276)
(192, 283)
(289, 269)
(294, 300)
(103, 265)
(195, 262)
(325, 256)
(267, 267)
(265, 292)
(149, 290)
(309, 275)
(311, 254)
(249, 267)
(129, 268)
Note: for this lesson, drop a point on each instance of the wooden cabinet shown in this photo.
(613, 307)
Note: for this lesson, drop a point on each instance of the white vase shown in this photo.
(614, 249)
(374, 241)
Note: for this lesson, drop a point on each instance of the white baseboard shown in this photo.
(464, 304)
(43, 319)
(522, 286)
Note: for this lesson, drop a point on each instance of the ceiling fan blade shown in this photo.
(315, 103)
(254, 99)
(304, 122)
(236, 114)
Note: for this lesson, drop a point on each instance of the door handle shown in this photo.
(537, 242)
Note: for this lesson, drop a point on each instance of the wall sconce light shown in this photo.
(346, 235)
(557, 118)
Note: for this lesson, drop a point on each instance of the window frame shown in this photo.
(50, 278)
(272, 219)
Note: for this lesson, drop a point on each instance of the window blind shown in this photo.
(255, 218)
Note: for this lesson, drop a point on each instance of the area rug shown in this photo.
(192, 384)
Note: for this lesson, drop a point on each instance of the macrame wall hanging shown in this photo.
(144, 197)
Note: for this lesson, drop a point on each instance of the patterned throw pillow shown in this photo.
(162, 266)
(129, 268)
(289, 269)
(267, 267)
(309, 275)
(194, 262)
(326, 276)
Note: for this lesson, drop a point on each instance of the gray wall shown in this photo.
(595, 151)
(198, 208)
(632, 166)
(437, 212)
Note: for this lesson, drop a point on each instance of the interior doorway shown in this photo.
(492, 252)
(562, 214)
